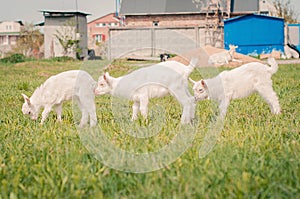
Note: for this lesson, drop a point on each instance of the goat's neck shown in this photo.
(114, 83)
(215, 88)
(36, 98)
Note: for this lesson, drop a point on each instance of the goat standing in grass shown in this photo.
(170, 77)
(239, 83)
(74, 84)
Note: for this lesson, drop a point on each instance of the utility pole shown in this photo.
(77, 23)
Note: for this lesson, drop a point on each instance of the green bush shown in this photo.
(14, 58)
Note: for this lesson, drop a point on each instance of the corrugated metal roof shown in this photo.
(49, 12)
(140, 7)
(9, 33)
(251, 15)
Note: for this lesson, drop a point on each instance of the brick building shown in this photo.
(159, 13)
(182, 13)
(98, 31)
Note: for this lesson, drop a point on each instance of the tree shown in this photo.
(30, 42)
(285, 11)
(66, 36)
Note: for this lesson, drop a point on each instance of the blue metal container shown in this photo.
(254, 34)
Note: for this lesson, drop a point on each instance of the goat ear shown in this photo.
(106, 76)
(203, 83)
(191, 80)
(26, 99)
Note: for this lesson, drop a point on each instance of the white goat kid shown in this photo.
(239, 83)
(74, 84)
(222, 58)
(170, 77)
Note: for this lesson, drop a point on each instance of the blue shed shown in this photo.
(254, 34)
(294, 35)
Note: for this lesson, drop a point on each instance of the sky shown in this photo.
(29, 10)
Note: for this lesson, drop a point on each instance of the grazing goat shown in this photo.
(170, 77)
(74, 84)
(222, 58)
(239, 83)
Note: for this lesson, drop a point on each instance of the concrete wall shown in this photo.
(154, 41)
(83, 40)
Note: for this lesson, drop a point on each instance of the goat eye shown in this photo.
(29, 113)
(101, 84)
(201, 90)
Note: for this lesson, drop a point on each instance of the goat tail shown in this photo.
(274, 66)
(191, 66)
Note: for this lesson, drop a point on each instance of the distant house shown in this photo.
(9, 33)
(98, 30)
(68, 27)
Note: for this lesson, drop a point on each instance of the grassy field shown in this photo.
(256, 155)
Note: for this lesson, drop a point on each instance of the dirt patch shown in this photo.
(185, 58)
(204, 53)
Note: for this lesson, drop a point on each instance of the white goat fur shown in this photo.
(170, 77)
(74, 84)
(222, 58)
(239, 83)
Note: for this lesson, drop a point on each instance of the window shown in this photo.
(8, 27)
(100, 24)
(99, 38)
(112, 24)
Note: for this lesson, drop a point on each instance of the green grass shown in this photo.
(256, 155)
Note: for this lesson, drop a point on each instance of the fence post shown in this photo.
(153, 42)
(197, 37)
